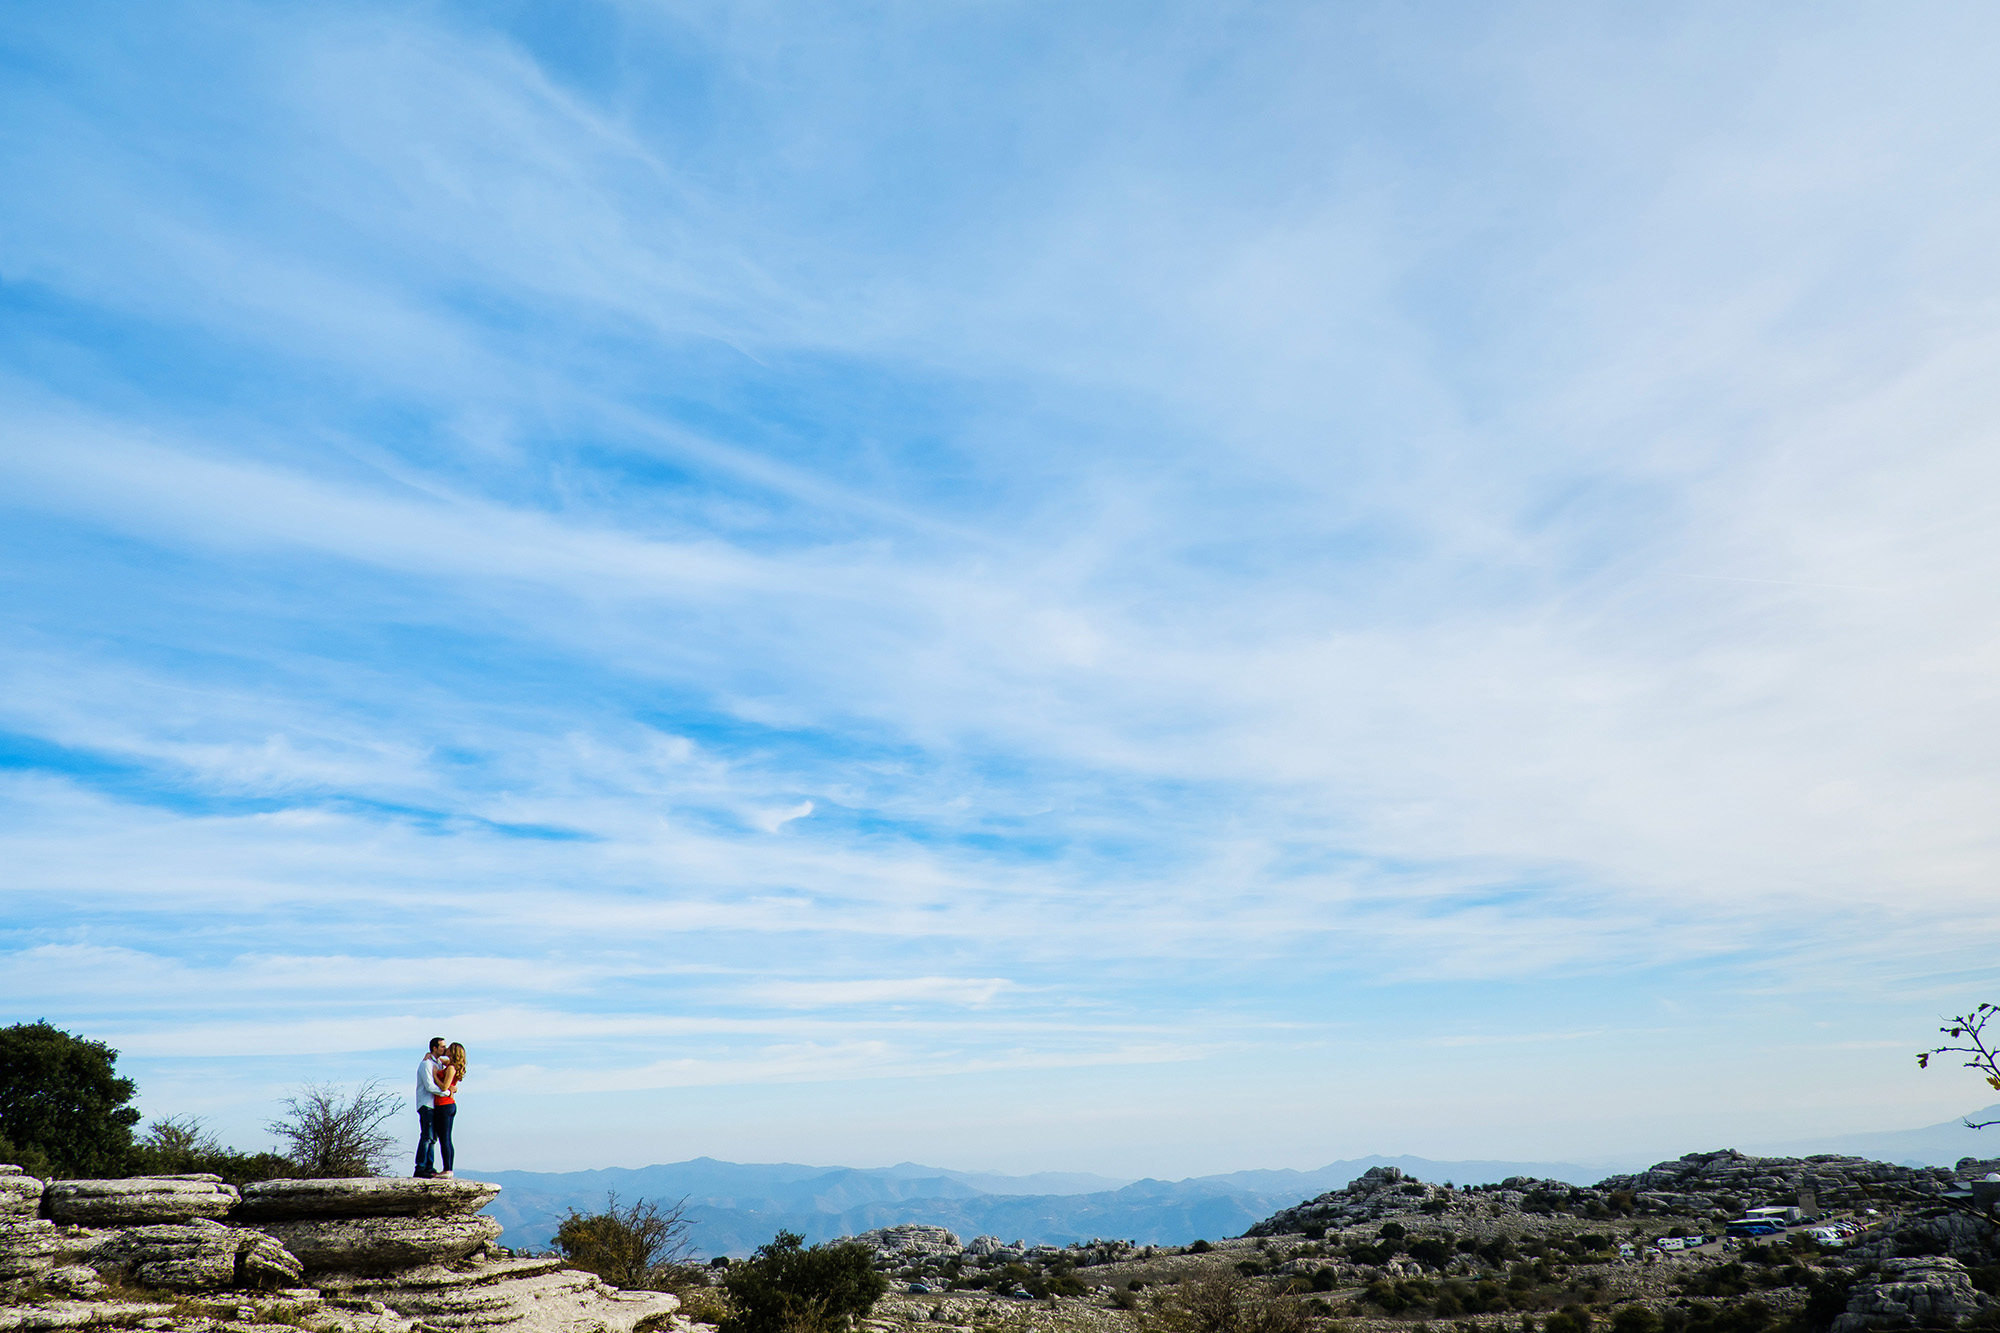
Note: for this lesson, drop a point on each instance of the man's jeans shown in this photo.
(426, 1137)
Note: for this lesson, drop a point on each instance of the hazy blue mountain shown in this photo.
(737, 1207)
(1933, 1145)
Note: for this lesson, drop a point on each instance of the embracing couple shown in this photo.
(438, 1077)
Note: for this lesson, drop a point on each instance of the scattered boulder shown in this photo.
(363, 1196)
(985, 1245)
(382, 1244)
(1932, 1291)
(137, 1200)
(201, 1255)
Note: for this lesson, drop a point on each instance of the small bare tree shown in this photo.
(329, 1132)
(641, 1247)
(1967, 1036)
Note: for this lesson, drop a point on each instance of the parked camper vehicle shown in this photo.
(1744, 1227)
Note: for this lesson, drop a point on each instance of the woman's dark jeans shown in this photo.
(442, 1116)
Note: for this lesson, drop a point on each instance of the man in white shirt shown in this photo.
(428, 1092)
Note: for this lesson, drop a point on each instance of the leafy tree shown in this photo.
(1635, 1319)
(63, 1107)
(1966, 1035)
(786, 1287)
(329, 1133)
(641, 1248)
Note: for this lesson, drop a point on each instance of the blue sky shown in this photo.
(1138, 588)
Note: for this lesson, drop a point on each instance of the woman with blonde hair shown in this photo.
(451, 1070)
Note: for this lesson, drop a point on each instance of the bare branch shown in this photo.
(1967, 1037)
(329, 1132)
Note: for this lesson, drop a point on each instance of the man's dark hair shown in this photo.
(436, 1042)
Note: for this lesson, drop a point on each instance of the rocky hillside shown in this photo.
(1886, 1247)
(1697, 1185)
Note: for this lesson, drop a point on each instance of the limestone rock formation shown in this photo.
(1932, 1291)
(1712, 1180)
(382, 1255)
(1380, 1191)
(364, 1196)
(20, 1193)
(201, 1255)
(381, 1244)
(137, 1200)
(909, 1241)
(29, 1248)
(523, 1295)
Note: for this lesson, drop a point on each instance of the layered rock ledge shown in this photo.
(364, 1196)
(365, 1255)
(137, 1200)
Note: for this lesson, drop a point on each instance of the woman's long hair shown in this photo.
(455, 1057)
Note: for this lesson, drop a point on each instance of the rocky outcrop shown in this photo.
(201, 1255)
(137, 1200)
(364, 1196)
(1379, 1192)
(382, 1255)
(1932, 1292)
(909, 1241)
(382, 1244)
(1730, 1180)
(20, 1193)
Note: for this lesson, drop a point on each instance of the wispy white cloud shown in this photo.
(1205, 518)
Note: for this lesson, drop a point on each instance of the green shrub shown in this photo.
(1221, 1301)
(180, 1145)
(1430, 1250)
(640, 1248)
(1635, 1319)
(789, 1288)
(1569, 1319)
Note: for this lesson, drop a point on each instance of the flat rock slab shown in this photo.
(439, 1277)
(76, 1314)
(137, 1200)
(562, 1301)
(382, 1244)
(202, 1255)
(362, 1196)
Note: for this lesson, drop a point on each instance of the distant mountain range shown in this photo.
(737, 1207)
(1933, 1145)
